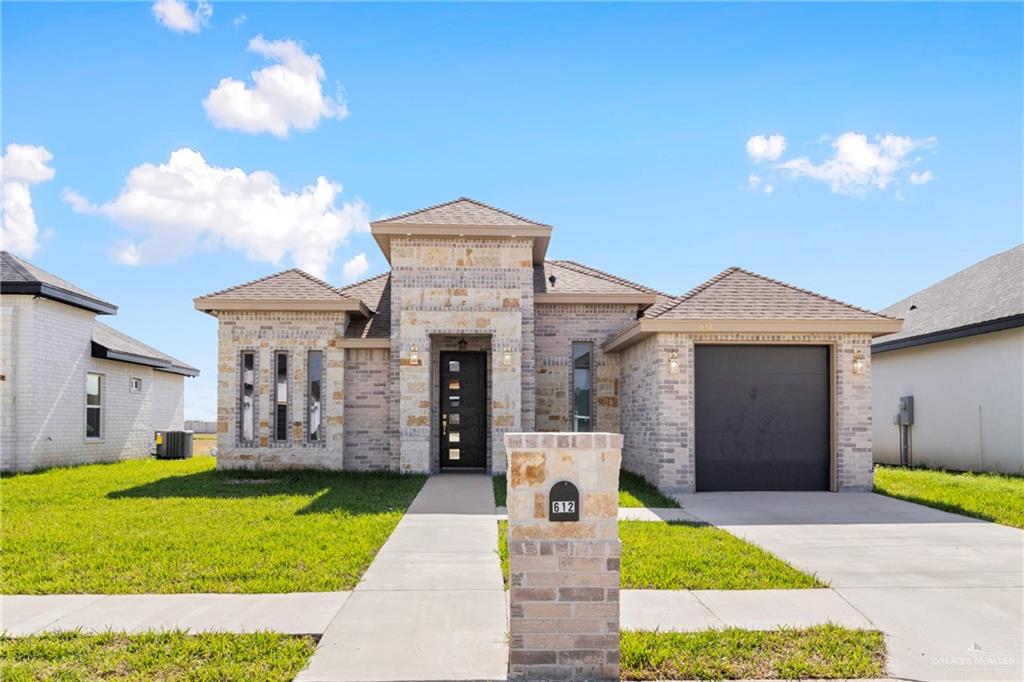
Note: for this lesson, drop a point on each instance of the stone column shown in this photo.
(564, 574)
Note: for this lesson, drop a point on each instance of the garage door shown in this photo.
(762, 417)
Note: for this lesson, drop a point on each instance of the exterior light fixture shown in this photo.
(507, 357)
(673, 363)
(414, 356)
(462, 344)
(858, 363)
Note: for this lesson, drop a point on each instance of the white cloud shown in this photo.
(175, 15)
(765, 148)
(921, 178)
(239, 20)
(21, 166)
(756, 183)
(768, 189)
(126, 254)
(859, 164)
(283, 96)
(187, 203)
(355, 267)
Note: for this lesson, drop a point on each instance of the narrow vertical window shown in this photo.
(315, 416)
(93, 405)
(248, 397)
(582, 382)
(281, 397)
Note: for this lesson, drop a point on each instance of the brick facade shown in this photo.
(367, 404)
(45, 354)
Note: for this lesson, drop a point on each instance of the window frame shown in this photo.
(276, 404)
(320, 378)
(241, 439)
(591, 417)
(101, 427)
(131, 384)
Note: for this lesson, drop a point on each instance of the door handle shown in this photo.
(444, 425)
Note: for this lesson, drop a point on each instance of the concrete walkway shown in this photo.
(432, 604)
(945, 589)
(297, 613)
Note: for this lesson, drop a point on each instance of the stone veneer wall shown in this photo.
(456, 286)
(367, 402)
(557, 326)
(658, 407)
(264, 333)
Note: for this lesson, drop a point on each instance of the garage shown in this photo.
(762, 417)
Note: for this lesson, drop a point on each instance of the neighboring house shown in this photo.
(960, 355)
(72, 389)
(743, 383)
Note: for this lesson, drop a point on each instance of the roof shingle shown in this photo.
(462, 211)
(17, 273)
(119, 342)
(288, 285)
(375, 293)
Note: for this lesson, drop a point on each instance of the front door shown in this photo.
(463, 410)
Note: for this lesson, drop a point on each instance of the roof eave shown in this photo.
(348, 305)
(645, 327)
(102, 352)
(383, 231)
(975, 329)
(55, 293)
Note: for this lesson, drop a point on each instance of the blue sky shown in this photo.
(634, 129)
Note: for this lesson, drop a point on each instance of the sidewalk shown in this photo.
(432, 604)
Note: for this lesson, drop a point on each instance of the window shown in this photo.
(93, 405)
(314, 401)
(582, 376)
(248, 397)
(281, 396)
(135, 385)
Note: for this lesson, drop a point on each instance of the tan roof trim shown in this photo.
(644, 328)
(382, 232)
(363, 343)
(639, 298)
(350, 305)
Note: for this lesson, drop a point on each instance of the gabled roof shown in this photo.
(291, 289)
(462, 217)
(738, 294)
(988, 296)
(577, 283)
(18, 276)
(461, 211)
(111, 344)
(375, 293)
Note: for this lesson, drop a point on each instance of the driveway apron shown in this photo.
(945, 589)
(431, 606)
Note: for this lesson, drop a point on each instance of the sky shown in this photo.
(157, 152)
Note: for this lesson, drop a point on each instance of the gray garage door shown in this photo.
(762, 417)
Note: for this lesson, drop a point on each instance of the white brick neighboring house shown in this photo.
(742, 383)
(52, 349)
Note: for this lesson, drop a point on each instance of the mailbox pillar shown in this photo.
(563, 557)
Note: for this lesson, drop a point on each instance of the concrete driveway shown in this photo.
(945, 589)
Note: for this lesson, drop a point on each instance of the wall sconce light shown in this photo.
(673, 363)
(414, 356)
(506, 359)
(858, 363)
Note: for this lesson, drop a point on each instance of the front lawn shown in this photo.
(993, 497)
(822, 652)
(685, 556)
(634, 491)
(688, 556)
(180, 526)
(154, 656)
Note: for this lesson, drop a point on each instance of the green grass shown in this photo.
(180, 526)
(822, 652)
(687, 556)
(503, 549)
(993, 497)
(500, 490)
(153, 656)
(635, 491)
(684, 556)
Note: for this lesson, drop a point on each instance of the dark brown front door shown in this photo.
(463, 410)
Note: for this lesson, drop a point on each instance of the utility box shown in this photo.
(904, 412)
(173, 444)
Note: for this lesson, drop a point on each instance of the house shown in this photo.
(72, 389)
(960, 357)
(742, 383)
